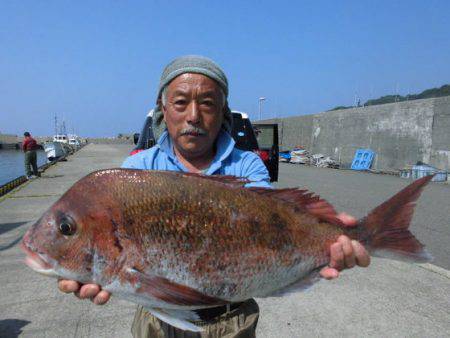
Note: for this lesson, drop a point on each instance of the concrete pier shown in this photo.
(30, 303)
(389, 298)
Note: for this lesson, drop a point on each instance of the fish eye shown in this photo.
(67, 228)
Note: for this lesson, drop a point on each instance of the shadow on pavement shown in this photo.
(9, 226)
(10, 328)
(5, 227)
(10, 245)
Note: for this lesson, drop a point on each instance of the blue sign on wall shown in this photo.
(363, 159)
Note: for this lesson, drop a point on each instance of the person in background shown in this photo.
(29, 147)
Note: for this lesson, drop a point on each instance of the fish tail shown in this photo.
(385, 230)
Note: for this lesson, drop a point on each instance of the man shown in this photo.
(192, 103)
(29, 147)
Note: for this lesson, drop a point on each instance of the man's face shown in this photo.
(193, 113)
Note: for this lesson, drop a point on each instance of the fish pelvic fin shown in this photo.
(385, 230)
(180, 319)
(170, 292)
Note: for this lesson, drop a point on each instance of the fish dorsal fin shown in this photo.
(173, 293)
(303, 200)
(232, 181)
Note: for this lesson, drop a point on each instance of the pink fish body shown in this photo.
(173, 241)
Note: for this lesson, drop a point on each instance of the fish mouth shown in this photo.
(37, 261)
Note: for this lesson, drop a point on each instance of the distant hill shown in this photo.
(426, 94)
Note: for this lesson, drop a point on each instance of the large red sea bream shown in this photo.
(177, 242)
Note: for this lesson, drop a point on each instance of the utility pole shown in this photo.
(261, 99)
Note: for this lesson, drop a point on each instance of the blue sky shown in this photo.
(96, 64)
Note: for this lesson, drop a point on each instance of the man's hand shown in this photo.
(345, 253)
(85, 291)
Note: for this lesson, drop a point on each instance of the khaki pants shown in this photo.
(239, 323)
(31, 160)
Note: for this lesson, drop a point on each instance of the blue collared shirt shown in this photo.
(227, 161)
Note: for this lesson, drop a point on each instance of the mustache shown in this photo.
(194, 130)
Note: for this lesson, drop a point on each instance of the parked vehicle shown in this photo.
(146, 138)
(267, 136)
(259, 138)
(243, 133)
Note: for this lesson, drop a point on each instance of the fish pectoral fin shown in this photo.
(170, 292)
(180, 319)
(299, 285)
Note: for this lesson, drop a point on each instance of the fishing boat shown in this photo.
(62, 144)
(54, 150)
(61, 138)
(74, 141)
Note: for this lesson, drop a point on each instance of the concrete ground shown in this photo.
(389, 298)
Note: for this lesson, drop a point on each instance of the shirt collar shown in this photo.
(224, 144)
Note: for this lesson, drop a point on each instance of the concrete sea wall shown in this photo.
(400, 133)
(7, 138)
(13, 141)
(8, 141)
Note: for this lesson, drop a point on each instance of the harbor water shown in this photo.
(12, 164)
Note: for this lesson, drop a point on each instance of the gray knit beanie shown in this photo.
(191, 64)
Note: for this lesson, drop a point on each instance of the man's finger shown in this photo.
(102, 297)
(89, 291)
(68, 286)
(361, 255)
(329, 273)
(336, 256)
(347, 248)
(347, 219)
